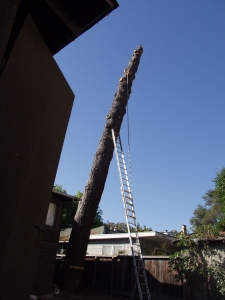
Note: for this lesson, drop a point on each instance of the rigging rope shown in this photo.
(128, 132)
(129, 163)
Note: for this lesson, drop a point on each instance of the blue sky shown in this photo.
(176, 109)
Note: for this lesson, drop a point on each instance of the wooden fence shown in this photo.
(115, 275)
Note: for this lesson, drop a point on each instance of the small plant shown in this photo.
(122, 252)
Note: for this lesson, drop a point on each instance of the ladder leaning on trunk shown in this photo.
(127, 198)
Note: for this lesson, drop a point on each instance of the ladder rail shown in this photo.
(128, 205)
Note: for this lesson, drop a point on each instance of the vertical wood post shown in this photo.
(112, 274)
(95, 272)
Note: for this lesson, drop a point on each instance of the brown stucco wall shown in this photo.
(35, 106)
(47, 257)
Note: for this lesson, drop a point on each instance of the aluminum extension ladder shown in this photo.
(139, 268)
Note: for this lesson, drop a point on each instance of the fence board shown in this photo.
(115, 275)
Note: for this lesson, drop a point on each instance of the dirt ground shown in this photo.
(88, 296)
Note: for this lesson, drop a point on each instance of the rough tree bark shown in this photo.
(95, 185)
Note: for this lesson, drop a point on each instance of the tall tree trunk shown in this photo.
(87, 208)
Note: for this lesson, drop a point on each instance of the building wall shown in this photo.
(35, 105)
(148, 246)
(96, 247)
(46, 261)
(42, 286)
(215, 252)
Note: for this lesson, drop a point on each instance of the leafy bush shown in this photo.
(198, 264)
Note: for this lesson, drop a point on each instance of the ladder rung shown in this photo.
(127, 203)
(121, 167)
(126, 182)
(131, 217)
(129, 209)
(126, 185)
(131, 204)
(119, 151)
(121, 160)
(128, 197)
(120, 157)
(127, 191)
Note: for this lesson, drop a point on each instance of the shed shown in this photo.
(46, 261)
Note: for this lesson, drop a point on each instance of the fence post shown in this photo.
(95, 272)
(112, 275)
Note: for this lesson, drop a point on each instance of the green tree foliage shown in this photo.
(213, 210)
(143, 229)
(200, 265)
(98, 221)
(209, 213)
(58, 188)
(69, 210)
(120, 226)
(220, 194)
(173, 233)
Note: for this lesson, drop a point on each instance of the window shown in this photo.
(51, 214)
(117, 249)
(111, 249)
(107, 249)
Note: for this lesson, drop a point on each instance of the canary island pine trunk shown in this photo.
(87, 208)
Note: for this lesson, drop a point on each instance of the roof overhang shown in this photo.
(65, 197)
(59, 21)
(150, 235)
(62, 21)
